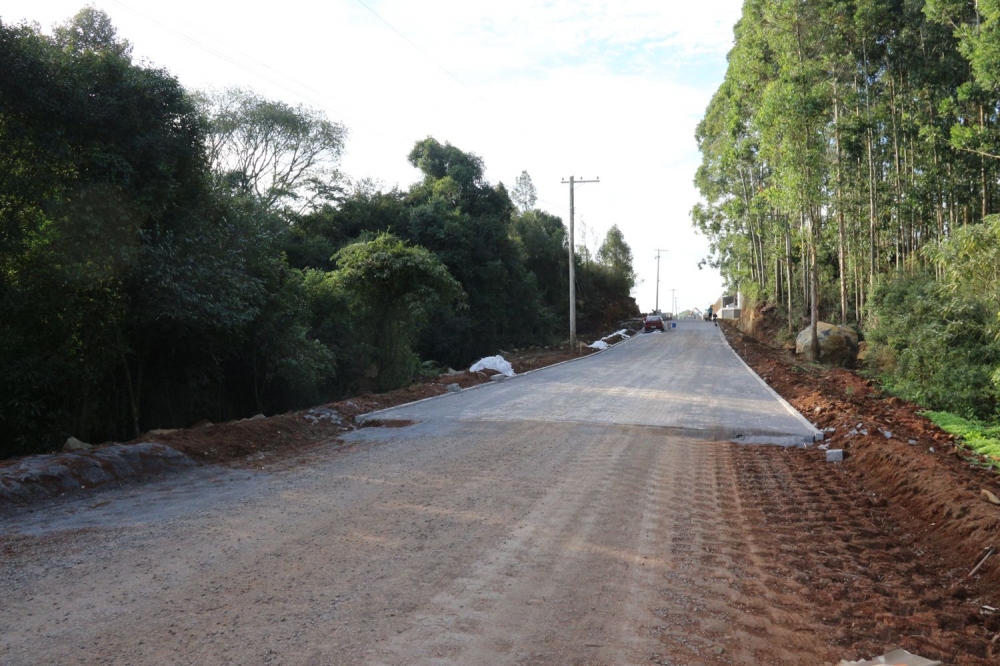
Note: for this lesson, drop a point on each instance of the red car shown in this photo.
(651, 322)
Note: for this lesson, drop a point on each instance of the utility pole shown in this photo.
(572, 269)
(673, 304)
(658, 251)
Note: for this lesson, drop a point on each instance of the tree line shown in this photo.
(169, 256)
(850, 165)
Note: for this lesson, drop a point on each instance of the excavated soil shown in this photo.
(883, 544)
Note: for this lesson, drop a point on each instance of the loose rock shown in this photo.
(989, 497)
(73, 444)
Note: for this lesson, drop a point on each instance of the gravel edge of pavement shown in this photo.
(818, 435)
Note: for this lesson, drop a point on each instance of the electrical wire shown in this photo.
(422, 52)
(222, 56)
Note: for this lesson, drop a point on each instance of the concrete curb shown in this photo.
(373, 416)
(817, 434)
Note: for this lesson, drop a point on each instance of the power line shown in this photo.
(228, 59)
(424, 53)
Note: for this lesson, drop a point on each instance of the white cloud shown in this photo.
(526, 35)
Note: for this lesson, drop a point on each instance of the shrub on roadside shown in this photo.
(932, 346)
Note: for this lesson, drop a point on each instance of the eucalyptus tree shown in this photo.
(524, 194)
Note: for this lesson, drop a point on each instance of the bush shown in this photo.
(932, 346)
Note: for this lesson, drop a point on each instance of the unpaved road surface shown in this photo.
(565, 517)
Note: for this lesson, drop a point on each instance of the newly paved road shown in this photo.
(557, 518)
(687, 380)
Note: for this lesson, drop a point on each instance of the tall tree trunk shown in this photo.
(841, 259)
(133, 400)
(814, 300)
(788, 273)
(806, 263)
(982, 165)
(897, 183)
(872, 187)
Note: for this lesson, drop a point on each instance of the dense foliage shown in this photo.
(849, 158)
(168, 257)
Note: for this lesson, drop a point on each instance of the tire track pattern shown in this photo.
(719, 603)
(778, 548)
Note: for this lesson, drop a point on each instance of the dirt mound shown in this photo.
(931, 486)
(37, 477)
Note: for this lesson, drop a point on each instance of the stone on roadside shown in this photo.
(989, 497)
(452, 388)
(838, 345)
(317, 414)
(73, 444)
(835, 455)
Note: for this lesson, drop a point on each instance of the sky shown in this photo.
(557, 88)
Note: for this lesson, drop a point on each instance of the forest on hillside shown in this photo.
(169, 256)
(851, 173)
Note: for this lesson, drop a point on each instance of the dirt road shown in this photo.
(461, 541)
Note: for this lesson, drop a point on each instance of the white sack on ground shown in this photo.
(600, 344)
(497, 363)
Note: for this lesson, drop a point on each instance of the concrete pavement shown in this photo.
(687, 380)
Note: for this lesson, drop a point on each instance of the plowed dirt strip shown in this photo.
(715, 604)
(815, 556)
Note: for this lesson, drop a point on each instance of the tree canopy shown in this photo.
(852, 144)
(168, 257)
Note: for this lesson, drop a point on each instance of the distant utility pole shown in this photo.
(572, 269)
(658, 251)
(673, 303)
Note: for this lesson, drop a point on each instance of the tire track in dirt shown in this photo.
(720, 604)
(783, 558)
(869, 582)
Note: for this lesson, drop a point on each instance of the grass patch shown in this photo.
(983, 438)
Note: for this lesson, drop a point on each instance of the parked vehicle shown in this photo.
(652, 322)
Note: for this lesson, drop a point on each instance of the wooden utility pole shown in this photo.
(572, 268)
(658, 251)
